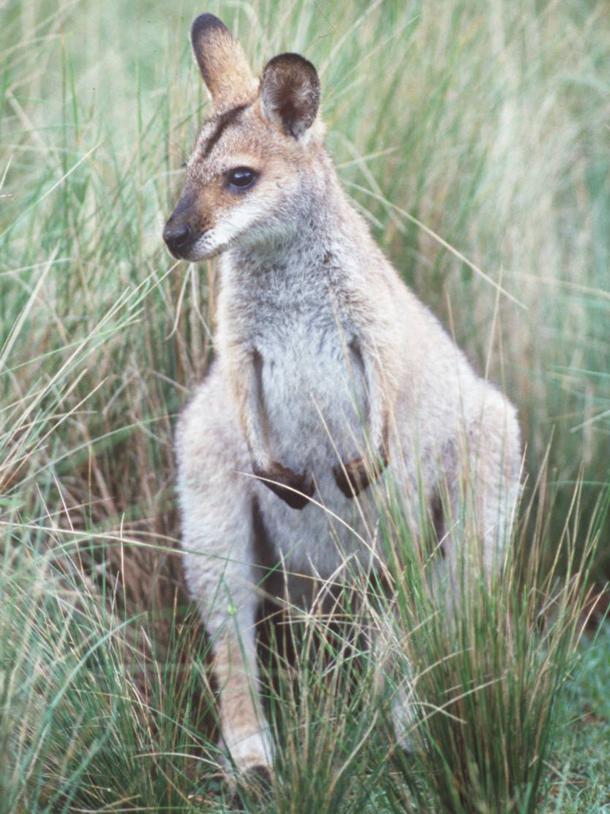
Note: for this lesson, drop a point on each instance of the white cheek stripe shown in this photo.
(226, 230)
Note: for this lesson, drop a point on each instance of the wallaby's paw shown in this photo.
(354, 476)
(253, 786)
(282, 481)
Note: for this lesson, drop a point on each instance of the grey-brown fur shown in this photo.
(330, 375)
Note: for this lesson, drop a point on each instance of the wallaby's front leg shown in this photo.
(292, 487)
(352, 477)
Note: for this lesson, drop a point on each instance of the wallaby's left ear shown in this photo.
(290, 93)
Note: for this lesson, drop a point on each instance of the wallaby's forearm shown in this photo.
(352, 477)
(381, 398)
(246, 374)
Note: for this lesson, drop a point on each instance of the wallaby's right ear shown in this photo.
(290, 93)
(222, 63)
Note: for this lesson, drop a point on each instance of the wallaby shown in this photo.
(329, 375)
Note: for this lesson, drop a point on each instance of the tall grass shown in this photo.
(94, 716)
(488, 675)
(474, 137)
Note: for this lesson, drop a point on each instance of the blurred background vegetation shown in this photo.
(474, 136)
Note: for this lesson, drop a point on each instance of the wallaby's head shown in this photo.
(254, 156)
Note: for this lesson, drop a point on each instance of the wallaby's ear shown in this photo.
(290, 93)
(222, 63)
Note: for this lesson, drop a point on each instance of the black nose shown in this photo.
(177, 236)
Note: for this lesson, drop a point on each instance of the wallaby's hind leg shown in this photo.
(480, 489)
(217, 537)
(484, 491)
(394, 674)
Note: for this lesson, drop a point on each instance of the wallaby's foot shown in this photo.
(354, 476)
(282, 480)
(249, 770)
(249, 749)
(253, 786)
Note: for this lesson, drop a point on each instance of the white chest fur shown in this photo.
(310, 374)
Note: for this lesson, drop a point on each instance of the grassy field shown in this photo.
(474, 135)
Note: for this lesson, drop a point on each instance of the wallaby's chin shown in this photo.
(204, 248)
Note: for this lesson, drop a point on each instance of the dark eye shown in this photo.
(241, 178)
